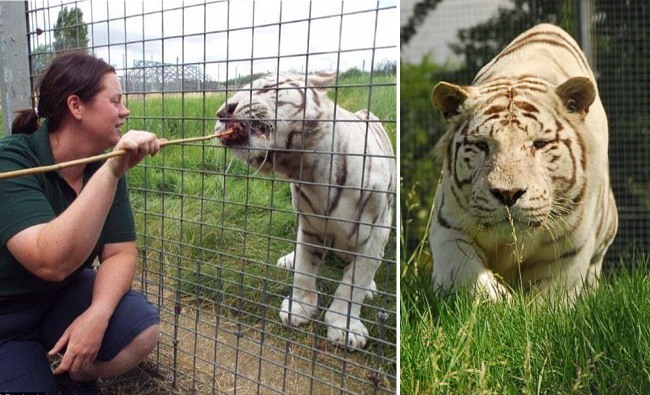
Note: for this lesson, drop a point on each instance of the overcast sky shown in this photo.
(335, 34)
(441, 26)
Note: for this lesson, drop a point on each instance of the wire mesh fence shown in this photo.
(456, 39)
(213, 223)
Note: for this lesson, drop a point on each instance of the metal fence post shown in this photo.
(15, 86)
(585, 9)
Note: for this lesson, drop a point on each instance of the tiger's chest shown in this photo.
(522, 256)
(504, 251)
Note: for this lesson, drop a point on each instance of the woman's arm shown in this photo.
(54, 250)
(83, 338)
(114, 276)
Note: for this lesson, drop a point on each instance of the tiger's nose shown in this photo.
(227, 111)
(507, 197)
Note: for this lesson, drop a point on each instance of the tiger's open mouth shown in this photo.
(243, 130)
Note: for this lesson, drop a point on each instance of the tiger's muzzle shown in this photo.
(242, 128)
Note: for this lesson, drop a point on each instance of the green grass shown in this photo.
(458, 345)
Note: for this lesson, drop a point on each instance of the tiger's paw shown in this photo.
(287, 261)
(487, 285)
(354, 338)
(371, 292)
(295, 313)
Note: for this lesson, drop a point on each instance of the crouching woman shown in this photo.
(53, 226)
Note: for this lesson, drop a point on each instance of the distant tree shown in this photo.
(622, 57)
(351, 73)
(40, 58)
(420, 11)
(623, 63)
(480, 43)
(70, 31)
(421, 125)
(386, 67)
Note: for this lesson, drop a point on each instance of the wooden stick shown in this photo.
(97, 158)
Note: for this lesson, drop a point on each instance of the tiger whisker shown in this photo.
(266, 156)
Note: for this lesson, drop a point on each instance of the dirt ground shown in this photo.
(203, 353)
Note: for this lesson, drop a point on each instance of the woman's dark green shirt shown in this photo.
(30, 200)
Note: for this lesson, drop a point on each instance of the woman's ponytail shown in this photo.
(26, 121)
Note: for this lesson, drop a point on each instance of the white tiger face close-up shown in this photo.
(511, 153)
(525, 200)
(277, 113)
(342, 169)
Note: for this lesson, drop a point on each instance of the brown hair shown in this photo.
(72, 73)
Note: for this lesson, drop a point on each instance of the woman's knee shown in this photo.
(141, 346)
(147, 340)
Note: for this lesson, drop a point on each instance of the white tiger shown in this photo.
(527, 139)
(344, 171)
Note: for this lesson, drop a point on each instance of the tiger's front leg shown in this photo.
(288, 261)
(457, 264)
(561, 281)
(302, 305)
(343, 319)
(344, 325)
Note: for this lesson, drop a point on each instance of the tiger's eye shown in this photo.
(539, 144)
(482, 145)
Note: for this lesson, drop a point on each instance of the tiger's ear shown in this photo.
(448, 98)
(577, 94)
(320, 81)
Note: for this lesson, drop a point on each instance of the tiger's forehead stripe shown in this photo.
(506, 101)
(522, 86)
(272, 85)
(505, 86)
(289, 84)
(495, 109)
(549, 38)
(537, 38)
(526, 106)
(521, 80)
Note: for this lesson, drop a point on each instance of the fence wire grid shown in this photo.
(451, 40)
(210, 227)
